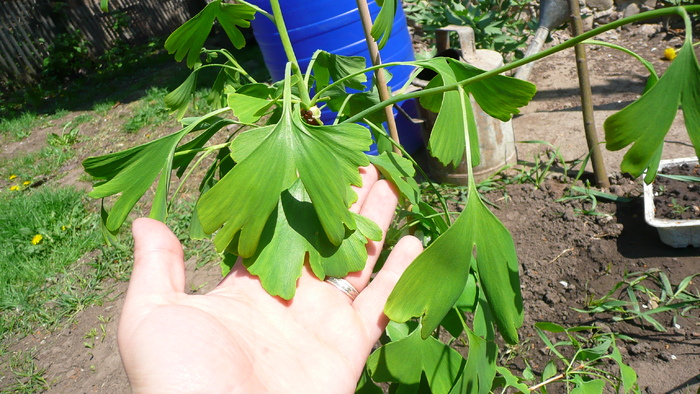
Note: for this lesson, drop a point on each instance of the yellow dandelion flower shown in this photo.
(14, 188)
(13, 177)
(25, 183)
(63, 228)
(37, 238)
(670, 53)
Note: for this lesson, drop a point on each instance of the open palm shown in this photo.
(238, 338)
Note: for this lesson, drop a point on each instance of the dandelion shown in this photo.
(13, 177)
(14, 188)
(670, 53)
(37, 238)
(26, 183)
(64, 228)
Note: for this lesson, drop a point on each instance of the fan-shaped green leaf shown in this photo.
(294, 232)
(189, 38)
(384, 23)
(325, 158)
(404, 361)
(179, 99)
(435, 280)
(131, 172)
(645, 122)
(331, 67)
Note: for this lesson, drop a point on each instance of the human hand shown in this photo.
(238, 338)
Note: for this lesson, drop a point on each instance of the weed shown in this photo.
(28, 167)
(151, 111)
(589, 195)
(66, 138)
(21, 126)
(39, 285)
(645, 294)
(28, 376)
(497, 24)
(678, 208)
(102, 107)
(59, 113)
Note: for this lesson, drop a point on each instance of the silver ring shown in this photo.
(344, 286)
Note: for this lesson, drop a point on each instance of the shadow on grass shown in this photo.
(153, 68)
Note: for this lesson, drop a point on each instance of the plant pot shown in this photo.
(496, 138)
(678, 233)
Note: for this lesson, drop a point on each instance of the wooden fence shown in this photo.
(28, 28)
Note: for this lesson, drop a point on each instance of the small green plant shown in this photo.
(678, 208)
(19, 127)
(498, 24)
(34, 166)
(68, 137)
(102, 107)
(42, 234)
(581, 363)
(589, 196)
(151, 111)
(642, 295)
(29, 378)
(68, 55)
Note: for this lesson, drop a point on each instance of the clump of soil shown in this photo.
(676, 199)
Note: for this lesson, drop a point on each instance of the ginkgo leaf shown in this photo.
(131, 172)
(400, 172)
(480, 368)
(185, 153)
(325, 158)
(645, 122)
(446, 141)
(179, 99)
(405, 360)
(433, 283)
(189, 38)
(499, 96)
(331, 67)
(384, 23)
(294, 231)
(249, 102)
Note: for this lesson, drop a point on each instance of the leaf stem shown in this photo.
(439, 195)
(289, 51)
(510, 66)
(184, 179)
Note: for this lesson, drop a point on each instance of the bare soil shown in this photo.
(675, 199)
(555, 243)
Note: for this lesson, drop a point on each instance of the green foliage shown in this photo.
(151, 111)
(20, 126)
(28, 377)
(42, 233)
(189, 38)
(278, 189)
(498, 24)
(642, 295)
(644, 123)
(68, 55)
(581, 372)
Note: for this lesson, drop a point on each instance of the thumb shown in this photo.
(159, 268)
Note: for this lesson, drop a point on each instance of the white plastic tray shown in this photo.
(675, 233)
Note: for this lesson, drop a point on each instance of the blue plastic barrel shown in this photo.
(335, 26)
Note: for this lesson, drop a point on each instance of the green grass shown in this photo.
(28, 167)
(102, 107)
(151, 111)
(42, 234)
(27, 375)
(21, 126)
